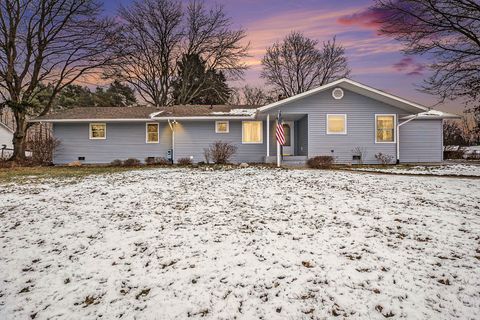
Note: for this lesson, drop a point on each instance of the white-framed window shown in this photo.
(336, 124)
(222, 127)
(98, 131)
(252, 132)
(152, 132)
(385, 128)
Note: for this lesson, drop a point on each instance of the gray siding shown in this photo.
(421, 141)
(124, 140)
(360, 112)
(192, 137)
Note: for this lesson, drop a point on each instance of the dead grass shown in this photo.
(24, 174)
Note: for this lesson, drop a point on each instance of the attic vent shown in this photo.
(337, 93)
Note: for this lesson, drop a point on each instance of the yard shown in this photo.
(245, 243)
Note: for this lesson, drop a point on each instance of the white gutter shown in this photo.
(207, 118)
(398, 135)
(90, 120)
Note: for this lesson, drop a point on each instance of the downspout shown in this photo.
(398, 136)
(172, 127)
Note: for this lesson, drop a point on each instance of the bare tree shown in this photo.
(157, 34)
(296, 64)
(256, 96)
(54, 42)
(448, 31)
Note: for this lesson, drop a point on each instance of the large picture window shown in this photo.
(252, 132)
(152, 132)
(385, 128)
(336, 124)
(98, 131)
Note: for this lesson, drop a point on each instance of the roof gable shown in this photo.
(357, 88)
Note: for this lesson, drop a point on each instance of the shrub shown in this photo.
(116, 163)
(157, 161)
(359, 154)
(220, 152)
(384, 158)
(131, 162)
(42, 149)
(454, 154)
(184, 161)
(320, 162)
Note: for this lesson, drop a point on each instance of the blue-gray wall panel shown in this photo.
(124, 140)
(421, 141)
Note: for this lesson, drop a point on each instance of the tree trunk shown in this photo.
(19, 141)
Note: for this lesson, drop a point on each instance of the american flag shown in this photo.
(280, 132)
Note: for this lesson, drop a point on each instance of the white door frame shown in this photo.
(290, 150)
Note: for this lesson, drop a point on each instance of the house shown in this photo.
(6, 138)
(338, 119)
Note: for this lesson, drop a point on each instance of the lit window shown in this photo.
(385, 128)
(252, 132)
(222, 127)
(288, 135)
(336, 124)
(98, 130)
(152, 132)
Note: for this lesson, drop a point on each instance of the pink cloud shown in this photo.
(368, 18)
(410, 66)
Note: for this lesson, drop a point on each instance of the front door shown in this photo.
(289, 147)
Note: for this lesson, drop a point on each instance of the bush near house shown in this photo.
(42, 149)
(320, 162)
(384, 158)
(220, 152)
(454, 153)
(116, 163)
(184, 161)
(157, 161)
(131, 162)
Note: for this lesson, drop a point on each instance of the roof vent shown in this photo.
(337, 93)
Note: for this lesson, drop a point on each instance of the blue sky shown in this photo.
(374, 59)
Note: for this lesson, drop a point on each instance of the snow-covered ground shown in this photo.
(245, 244)
(442, 170)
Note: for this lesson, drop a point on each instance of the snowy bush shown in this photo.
(320, 162)
(219, 152)
(384, 158)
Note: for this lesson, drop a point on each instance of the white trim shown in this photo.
(146, 132)
(342, 93)
(344, 124)
(6, 127)
(261, 132)
(268, 135)
(225, 121)
(89, 120)
(394, 127)
(207, 118)
(90, 131)
(335, 83)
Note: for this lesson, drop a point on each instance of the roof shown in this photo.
(148, 113)
(99, 113)
(357, 88)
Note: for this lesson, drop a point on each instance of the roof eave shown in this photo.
(91, 120)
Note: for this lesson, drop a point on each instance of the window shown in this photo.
(152, 132)
(336, 124)
(98, 130)
(222, 127)
(252, 132)
(385, 128)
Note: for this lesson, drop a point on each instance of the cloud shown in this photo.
(367, 18)
(409, 66)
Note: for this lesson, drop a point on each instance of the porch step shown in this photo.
(288, 160)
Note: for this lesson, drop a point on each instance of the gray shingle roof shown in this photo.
(119, 113)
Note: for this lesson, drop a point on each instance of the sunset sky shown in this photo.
(374, 60)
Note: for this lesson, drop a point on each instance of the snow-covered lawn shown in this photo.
(442, 170)
(245, 244)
